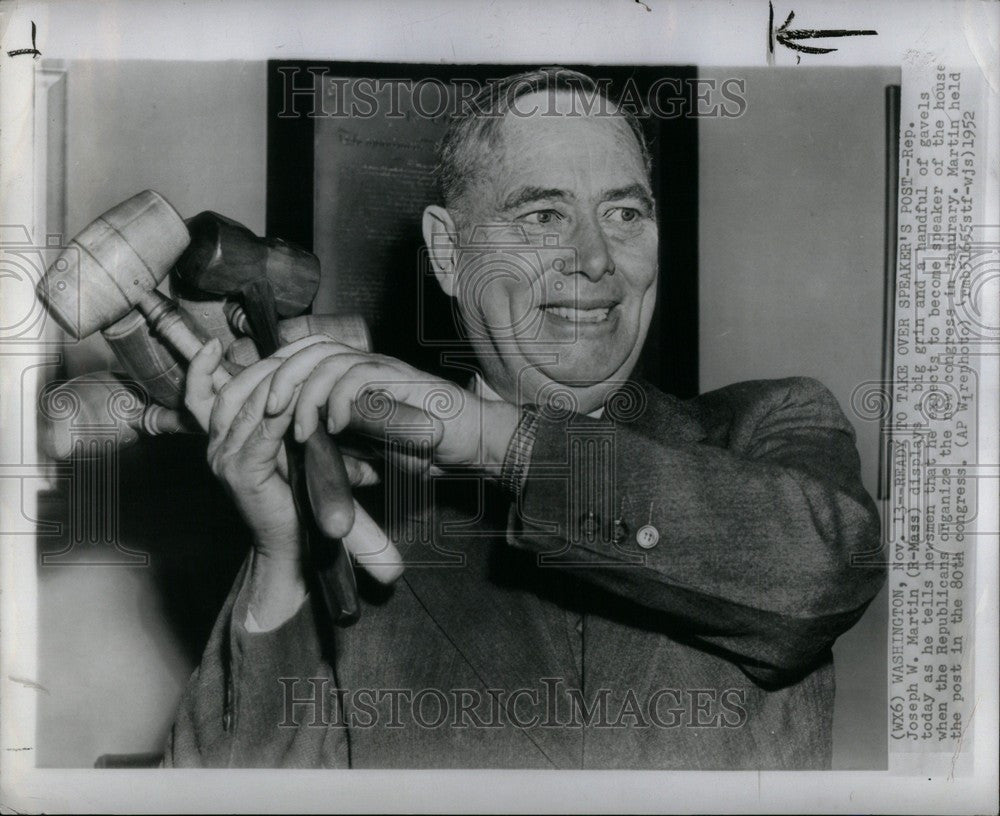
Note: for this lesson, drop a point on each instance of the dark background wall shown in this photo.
(790, 242)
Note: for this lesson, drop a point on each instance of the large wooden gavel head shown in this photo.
(224, 257)
(113, 263)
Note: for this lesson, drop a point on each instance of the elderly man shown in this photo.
(597, 575)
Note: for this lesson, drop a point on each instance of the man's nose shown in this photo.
(593, 252)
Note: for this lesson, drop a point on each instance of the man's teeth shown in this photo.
(580, 315)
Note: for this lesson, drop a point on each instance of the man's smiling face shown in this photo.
(556, 273)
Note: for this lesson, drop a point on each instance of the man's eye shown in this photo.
(626, 215)
(541, 217)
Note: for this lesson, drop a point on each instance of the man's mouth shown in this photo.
(596, 312)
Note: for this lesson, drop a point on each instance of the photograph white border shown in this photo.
(911, 35)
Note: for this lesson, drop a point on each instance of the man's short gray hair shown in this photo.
(477, 125)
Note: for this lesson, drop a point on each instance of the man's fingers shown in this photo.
(199, 393)
(299, 365)
(382, 410)
(371, 400)
(258, 438)
(302, 343)
(235, 394)
(366, 393)
(405, 419)
(264, 444)
(248, 416)
(321, 379)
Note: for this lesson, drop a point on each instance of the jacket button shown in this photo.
(620, 531)
(647, 537)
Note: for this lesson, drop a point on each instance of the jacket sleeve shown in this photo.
(759, 521)
(258, 699)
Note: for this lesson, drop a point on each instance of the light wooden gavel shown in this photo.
(113, 267)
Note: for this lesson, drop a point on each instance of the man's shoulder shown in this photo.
(753, 403)
(751, 394)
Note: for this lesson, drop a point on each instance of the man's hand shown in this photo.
(376, 396)
(245, 451)
(244, 446)
(386, 399)
(200, 400)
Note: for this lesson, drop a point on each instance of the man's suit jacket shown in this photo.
(537, 633)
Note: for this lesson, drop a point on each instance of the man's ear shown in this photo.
(441, 237)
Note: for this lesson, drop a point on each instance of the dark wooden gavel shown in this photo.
(225, 258)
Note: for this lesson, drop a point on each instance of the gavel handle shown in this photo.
(165, 319)
(157, 420)
(317, 478)
(311, 471)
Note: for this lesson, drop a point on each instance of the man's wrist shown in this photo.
(277, 589)
(500, 422)
(517, 456)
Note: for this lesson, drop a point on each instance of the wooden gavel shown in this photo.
(114, 265)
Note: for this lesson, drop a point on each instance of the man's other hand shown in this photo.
(433, 421)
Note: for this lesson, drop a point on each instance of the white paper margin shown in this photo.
(613, 31)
